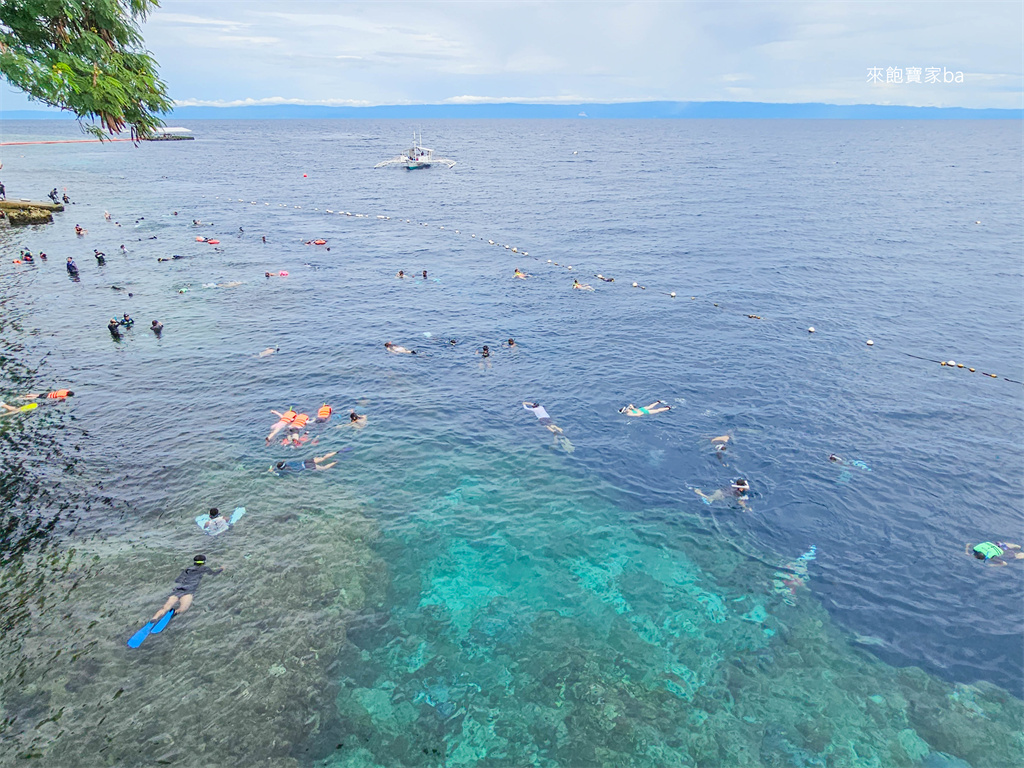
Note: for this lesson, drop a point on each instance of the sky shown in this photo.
(229, 52)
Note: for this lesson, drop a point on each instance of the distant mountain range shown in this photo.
(631, 110)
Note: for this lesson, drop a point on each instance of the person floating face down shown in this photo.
(738, 490)
(186, 586)
(296, 467)
(632, 410)
(57, 394)
(996, 552)
(542, 416)
(215, 523)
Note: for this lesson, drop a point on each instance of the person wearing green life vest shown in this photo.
(996, 552)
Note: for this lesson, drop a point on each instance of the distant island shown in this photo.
(630, 110)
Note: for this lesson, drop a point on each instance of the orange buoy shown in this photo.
(303, 175)
(200, 239)
(213, 242)
(282, 273)
(319, 242)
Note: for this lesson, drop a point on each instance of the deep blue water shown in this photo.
(906, 233)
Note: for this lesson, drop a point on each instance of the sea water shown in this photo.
(465, 587)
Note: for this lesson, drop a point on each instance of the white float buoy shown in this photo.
(951, 363)
(634, 285)
(871, 343)
(673, 294)
(811, 329)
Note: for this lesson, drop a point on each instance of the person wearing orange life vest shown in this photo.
(59, 394)
(299, 423)
(323, 415)
(284, 419)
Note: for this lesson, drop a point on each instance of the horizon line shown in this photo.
(582, 110)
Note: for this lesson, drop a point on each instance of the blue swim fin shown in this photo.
(236, 515)
(136, 640)
(164, 620)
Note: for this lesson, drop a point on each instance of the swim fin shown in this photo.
(164, 620)
(236, 515)
(29, 406)
(136, 640)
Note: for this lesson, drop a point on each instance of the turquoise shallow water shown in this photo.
(461, 590)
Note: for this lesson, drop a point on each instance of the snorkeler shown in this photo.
(100, 256)
(72, 267)
(298, 423)
(509, 344)
(542, 416)
(606, 279)
(397, 349)
(995, 552)
(485, 352)
(114, 327)
(521, 275)
(268, 351)
(323, 414)
(852, 463)
(424, 274)
(355, 420)
(738, 490)
(295, 440)
(186, 586)
(317, 462)
(214, 524)
(57, 394)
(401, 274)
(284, 419)
(79, 231)
(577, 285)
(157, 327)
(720, 445)
(632, 410)
(126, 321)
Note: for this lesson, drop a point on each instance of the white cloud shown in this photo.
(270, 100)
(554, 52)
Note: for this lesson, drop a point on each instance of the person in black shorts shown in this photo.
(185, 586)
(294, 467)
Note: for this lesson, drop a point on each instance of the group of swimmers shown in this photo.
(295, 423)
(484, 351)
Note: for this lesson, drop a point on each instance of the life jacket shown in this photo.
(988, 550)
(288, 416)
(325, 412)
(60, 394)
(300, 421)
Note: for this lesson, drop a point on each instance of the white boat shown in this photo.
(171, 134)
(417, 156)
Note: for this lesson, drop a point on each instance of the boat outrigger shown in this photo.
(417, 156)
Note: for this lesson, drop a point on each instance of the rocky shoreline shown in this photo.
(22, 212)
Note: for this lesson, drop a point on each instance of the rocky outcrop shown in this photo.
(21, 216)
